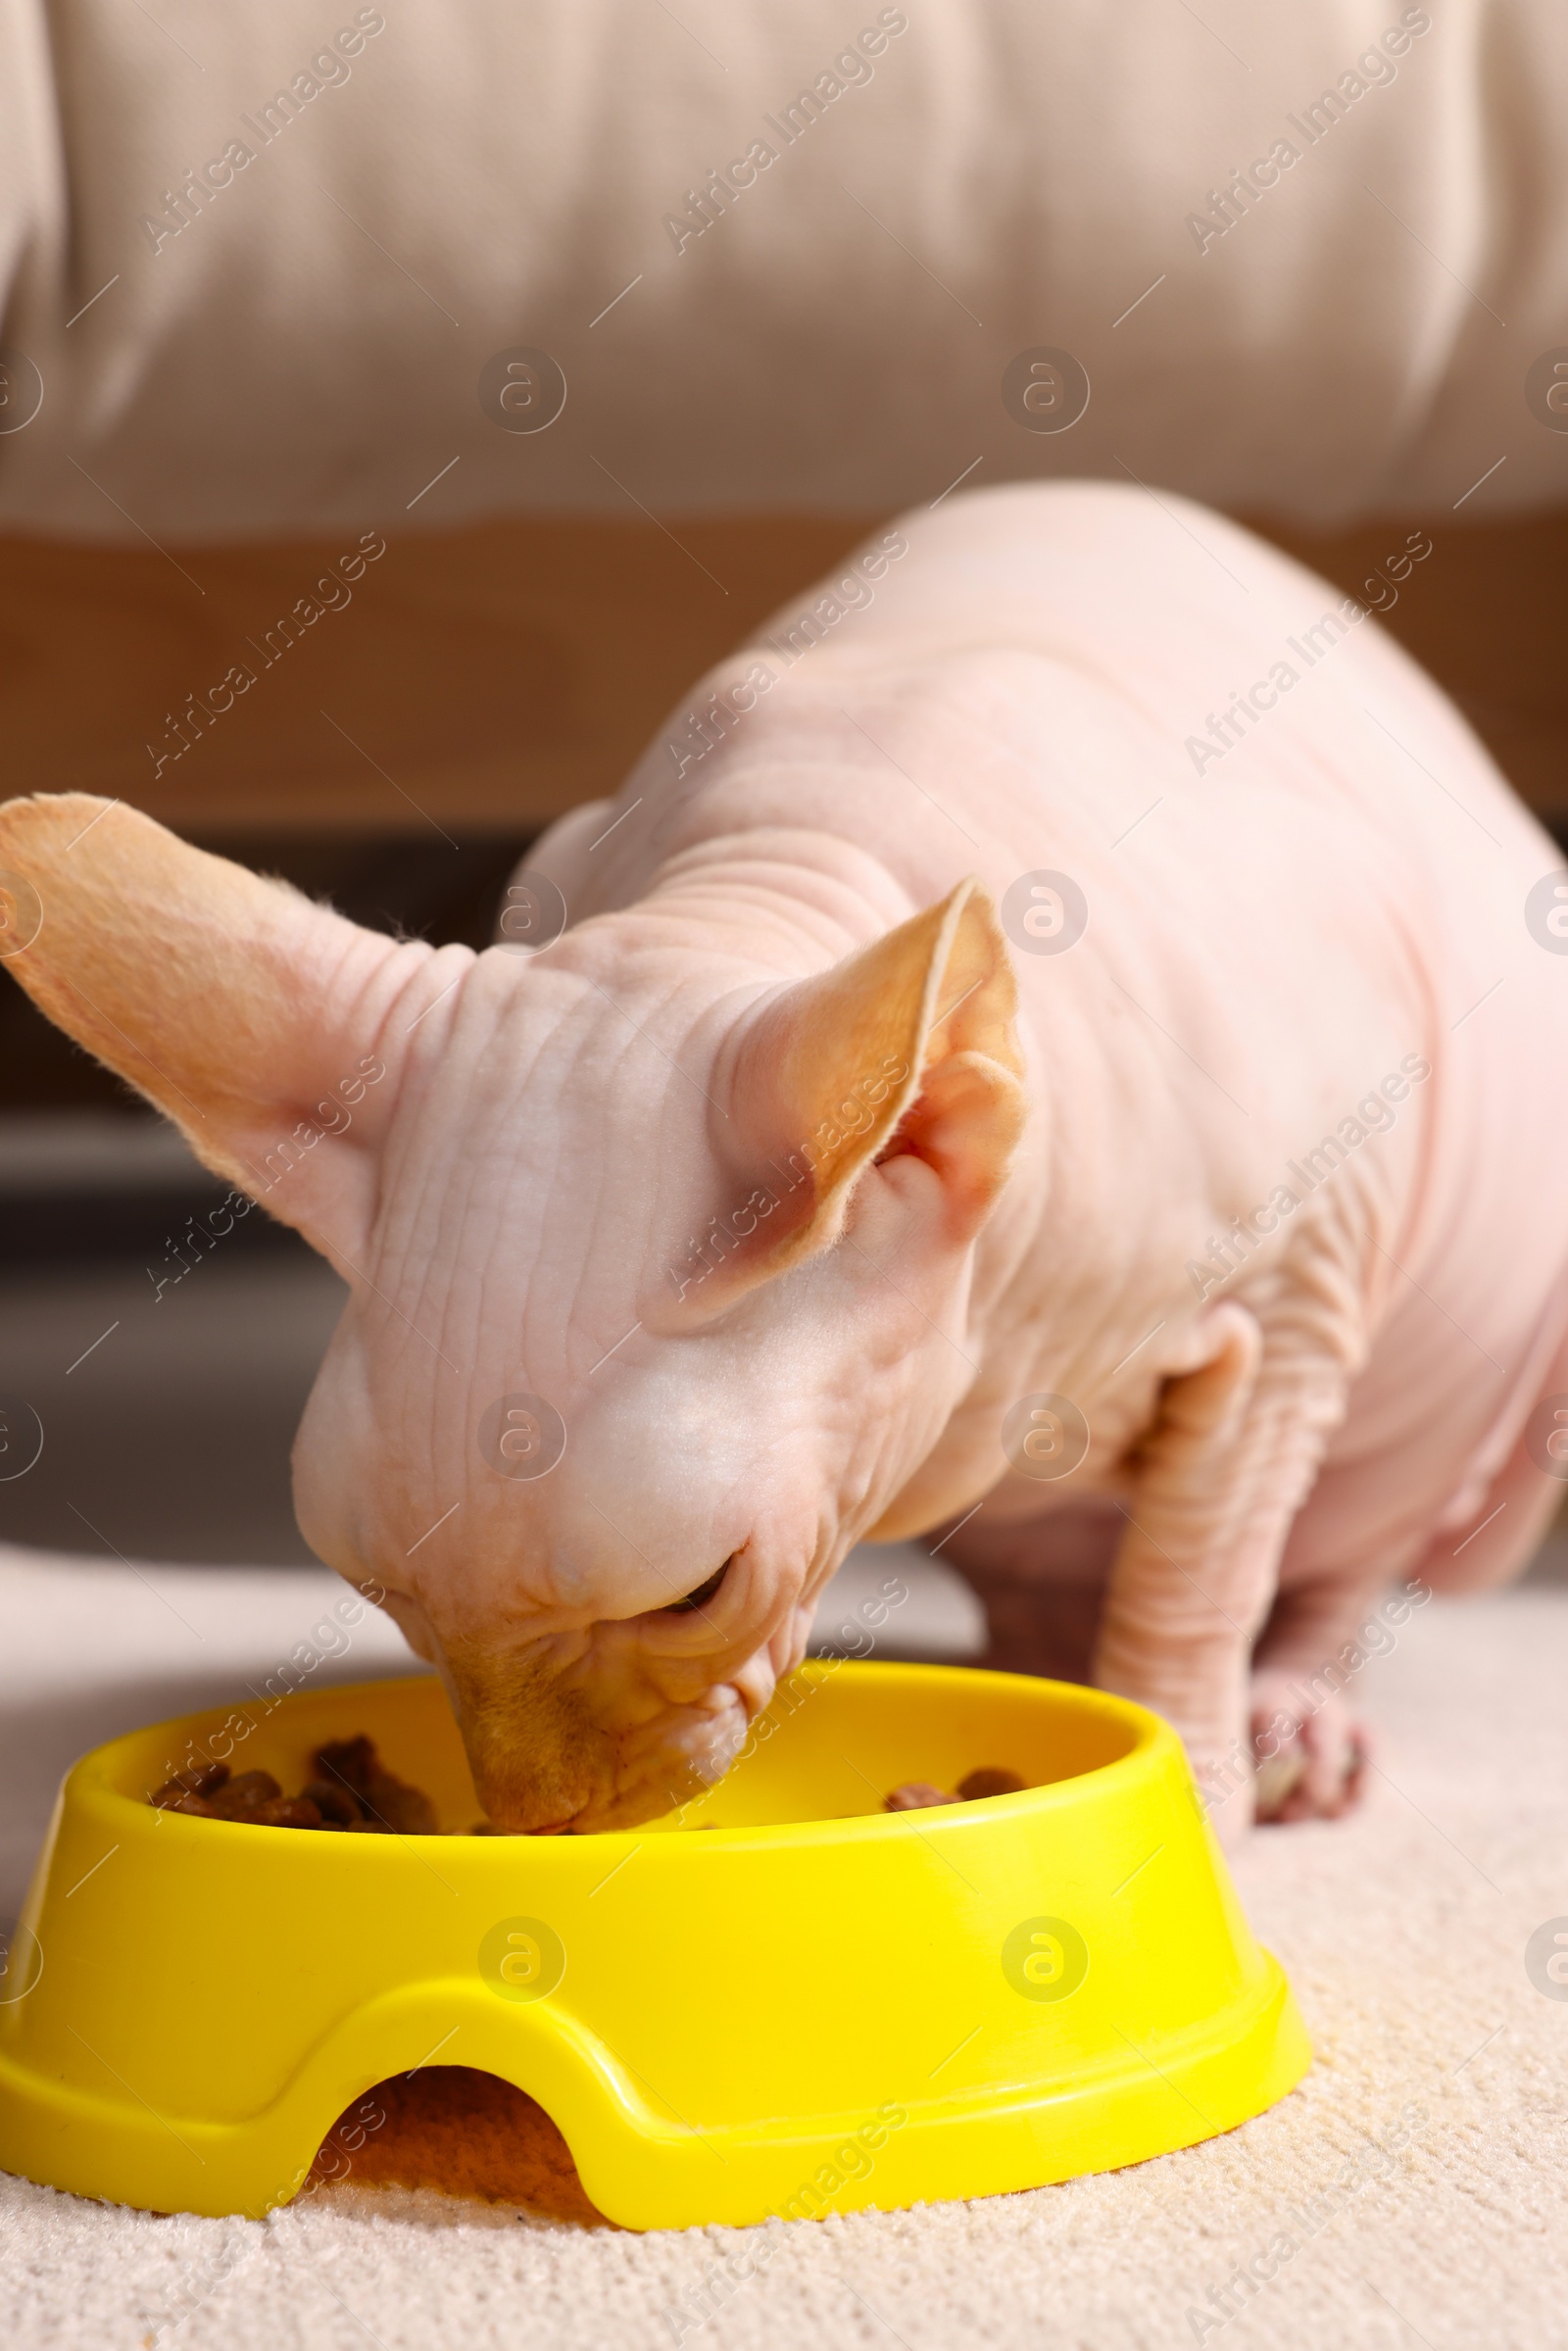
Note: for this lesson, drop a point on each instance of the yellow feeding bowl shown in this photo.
(814, 2006)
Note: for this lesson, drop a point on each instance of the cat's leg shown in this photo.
(1218, 1482)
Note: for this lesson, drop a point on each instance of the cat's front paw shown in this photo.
(1310, 1760)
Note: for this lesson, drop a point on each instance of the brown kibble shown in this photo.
(199, 1779)
(406, 1811)
(251, 1787)
(989, 1781)
(287, 1812)
(348, 1762)
(385, 1799)
(243, 1794)
(337, 1805)
(352, 1794)
(915, 1796)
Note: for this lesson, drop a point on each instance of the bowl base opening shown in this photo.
(459, 2130)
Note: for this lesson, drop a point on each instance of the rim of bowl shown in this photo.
(90, 1777)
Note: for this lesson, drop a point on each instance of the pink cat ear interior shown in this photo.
(910, 1045)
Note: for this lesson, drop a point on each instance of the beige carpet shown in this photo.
(1414, 2191)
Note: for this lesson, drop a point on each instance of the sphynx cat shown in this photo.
(1051, 1043)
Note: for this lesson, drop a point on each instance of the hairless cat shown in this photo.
(1062, 1039)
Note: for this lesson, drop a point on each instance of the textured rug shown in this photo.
(1412, 2192)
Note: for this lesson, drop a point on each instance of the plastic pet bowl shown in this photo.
(815, 2005)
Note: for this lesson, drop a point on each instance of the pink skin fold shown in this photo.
(792, 1166)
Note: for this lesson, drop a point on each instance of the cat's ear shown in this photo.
(908, 1045)
(257, 1021)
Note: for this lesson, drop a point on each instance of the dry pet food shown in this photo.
(352, 1792)
(917, 1795)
